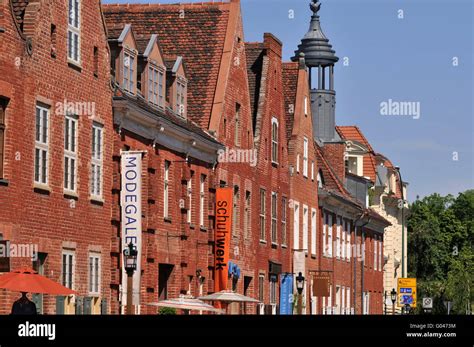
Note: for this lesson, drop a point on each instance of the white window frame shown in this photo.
(97, 156)
(202, 197)
(305, 157)
(70, 153)
(305, 228)
(42, 133)
(274, 216)
(70, 257)
(128, 71)
(74, 31)
(296, 225)
(95, 273)
(314, 216)
(338, 237)
(298, 163)
(166, 193)
(330, 227)
(181, 97)
(275, 137)
(156, 77)
(342, 310)
(189, 193)
(343, 239)
(305, 105)
(312, 170)
(348, 240)
(348, 300)
(338, 300)
(237, 128)
(263, 212)
(325, 233)
(284, 217)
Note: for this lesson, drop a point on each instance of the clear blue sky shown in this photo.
(409, 59)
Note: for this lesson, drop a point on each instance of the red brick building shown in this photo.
(55, 138)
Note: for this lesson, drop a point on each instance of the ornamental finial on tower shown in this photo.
(315, 5)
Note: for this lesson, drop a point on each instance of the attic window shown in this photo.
(181, 97)
(155, 85)
(354, 165)
(128, 71)
(320, 179)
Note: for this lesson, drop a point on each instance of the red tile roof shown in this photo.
(353, 133)
(290, 84)
(194, 31)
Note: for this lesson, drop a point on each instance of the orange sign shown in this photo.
(222, 237)
(321, 285)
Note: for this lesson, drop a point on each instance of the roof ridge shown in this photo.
(179, 5)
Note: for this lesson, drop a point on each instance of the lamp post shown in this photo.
(130, 262)
(393, 296)
(299, 288)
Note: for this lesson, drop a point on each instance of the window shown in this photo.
(97, 158)
(67, 274)
(181, 98)
(348, 300)
(155, 86)
(348, 240)
(298, 163)
(325, 232)
(237, 125)
(94, 273)
(70, 153)
(320, 180)
(189, 192)
(283, 221)
(261, 282)
(274, 140)
(338, 237)
(166, 190)
(96, 61)
(3, 106)
(262, 215)
(274, 217)
(273, 289)
(305, 157)
(330, 225)
(343, 240)
(313, 231)
(305, 105)
(42, 145)
(128, 71)
(236, 212)
(338, 300)
(305, 228)
(247, 219)
(312, 171)
(354, 165)
(296, 227)
(366, 303)
(202, 185)
(74, 32)
(343, 300)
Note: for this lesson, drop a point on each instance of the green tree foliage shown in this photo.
(440, 250)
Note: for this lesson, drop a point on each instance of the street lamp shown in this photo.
(393, 296)
(130, 263)
(299, 288)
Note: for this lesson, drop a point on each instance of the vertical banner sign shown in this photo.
(131, 221)
(286, 294)
(222, 237)
(299, 261)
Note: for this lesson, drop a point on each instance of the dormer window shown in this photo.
(128, 71)
(74, 32)
(354, 165)
(156, 78)
(181, 97)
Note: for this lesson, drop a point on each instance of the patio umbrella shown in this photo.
(228, 296)
(29, 281)
(185, 303)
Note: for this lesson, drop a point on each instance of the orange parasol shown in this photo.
(27, 280)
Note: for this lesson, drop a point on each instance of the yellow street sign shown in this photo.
(406, 292)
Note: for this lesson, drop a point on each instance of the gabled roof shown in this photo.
(197, 35)
(254, 52)
(290, 84)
